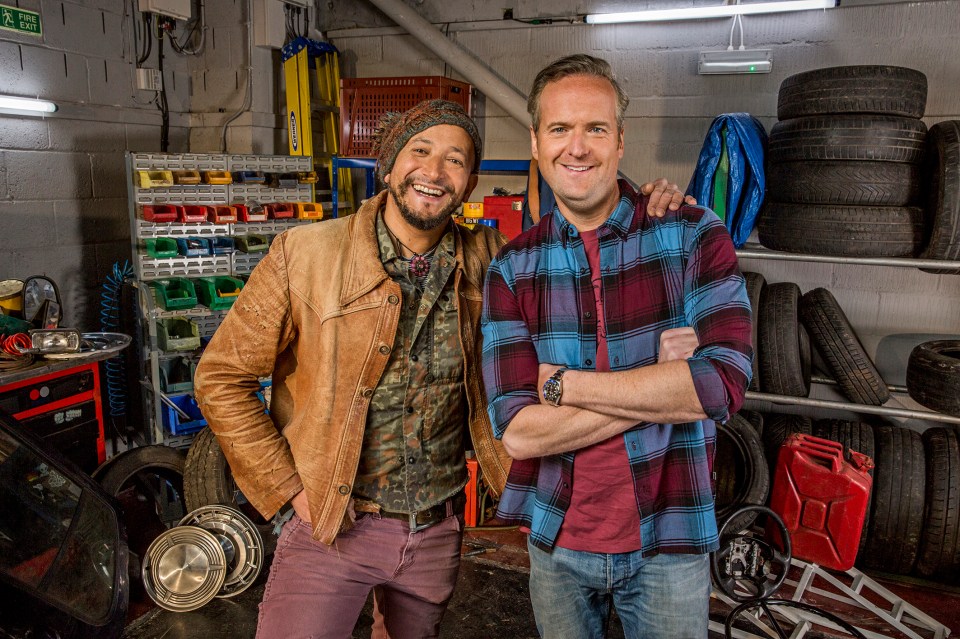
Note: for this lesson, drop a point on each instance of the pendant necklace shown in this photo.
(420, 262)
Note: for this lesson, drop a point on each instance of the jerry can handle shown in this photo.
(825, 444)
(820, 448)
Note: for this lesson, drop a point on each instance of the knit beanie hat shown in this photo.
(396, 129)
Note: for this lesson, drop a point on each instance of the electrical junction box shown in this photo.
(149, 79)
(179, 9)
(269, 25)
(270, 21)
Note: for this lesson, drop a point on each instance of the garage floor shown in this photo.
(491, 600)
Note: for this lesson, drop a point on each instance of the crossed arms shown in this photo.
(681, 386)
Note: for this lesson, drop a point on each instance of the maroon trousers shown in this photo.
(317, 591)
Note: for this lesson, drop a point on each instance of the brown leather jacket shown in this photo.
(319, 315)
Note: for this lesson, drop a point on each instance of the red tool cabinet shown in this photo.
(63, 407)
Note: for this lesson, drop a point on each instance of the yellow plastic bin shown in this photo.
(154, 179)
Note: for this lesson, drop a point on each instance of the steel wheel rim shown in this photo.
(240, 541)
(184, 568)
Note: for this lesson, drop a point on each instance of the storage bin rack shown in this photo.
(163, 423)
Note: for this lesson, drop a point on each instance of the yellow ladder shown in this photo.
(299, 56)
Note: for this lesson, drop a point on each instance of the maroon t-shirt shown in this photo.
(603, 515)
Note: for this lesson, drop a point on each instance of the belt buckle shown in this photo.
(429, 519)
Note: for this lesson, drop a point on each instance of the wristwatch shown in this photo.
(553, 388)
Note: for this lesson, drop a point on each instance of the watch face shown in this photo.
(552, 391)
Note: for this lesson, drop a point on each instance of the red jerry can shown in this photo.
(822, 499)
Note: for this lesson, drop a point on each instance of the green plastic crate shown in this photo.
(219, 292)
(178, 334)
(161, 247)
(253, 243)
(176, 293)
(176, 374)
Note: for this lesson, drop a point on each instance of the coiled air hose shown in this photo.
(114, 367)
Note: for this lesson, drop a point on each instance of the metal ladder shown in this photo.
(851, 588)
(300, 57)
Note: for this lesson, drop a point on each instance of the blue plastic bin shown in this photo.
(179, 425)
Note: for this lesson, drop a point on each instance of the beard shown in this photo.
(416, 219)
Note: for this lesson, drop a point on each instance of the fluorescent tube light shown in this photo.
(735, 61)
(700, 13)
(13, 103)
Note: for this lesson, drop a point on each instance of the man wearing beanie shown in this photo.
(368, 326)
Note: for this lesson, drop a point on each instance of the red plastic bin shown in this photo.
(194, 212)
(822, 499)
(222, 214)
(280, 210)
(160, 212)
(245, 214)
(363, 101)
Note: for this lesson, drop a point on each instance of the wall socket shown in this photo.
(149, 79)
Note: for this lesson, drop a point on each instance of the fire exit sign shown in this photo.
(14, 19)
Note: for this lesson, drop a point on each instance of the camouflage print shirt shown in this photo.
(412, 456)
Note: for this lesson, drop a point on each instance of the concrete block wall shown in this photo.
(63, 207)
(219, 87)
(63, 204)
(672, 106)
(63, 191)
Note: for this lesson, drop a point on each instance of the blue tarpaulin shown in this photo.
(743, 139)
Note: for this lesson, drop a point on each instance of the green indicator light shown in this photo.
(752, 68)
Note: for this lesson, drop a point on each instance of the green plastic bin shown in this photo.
(176, 374)
(178, 334)
(176, 293)
(219, 292)
(253, 243)
(161, 247)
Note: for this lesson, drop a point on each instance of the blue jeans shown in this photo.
(662, 597)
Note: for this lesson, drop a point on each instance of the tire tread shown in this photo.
(838, 343)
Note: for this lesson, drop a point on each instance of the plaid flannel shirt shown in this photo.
(657, 274)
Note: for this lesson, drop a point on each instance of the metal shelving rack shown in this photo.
(755, 251)
(147, 269)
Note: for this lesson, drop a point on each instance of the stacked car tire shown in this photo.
(792, 329)
(845, 163)
(933, 375)
(942, 167)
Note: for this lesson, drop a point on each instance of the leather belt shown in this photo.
(433, 515)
